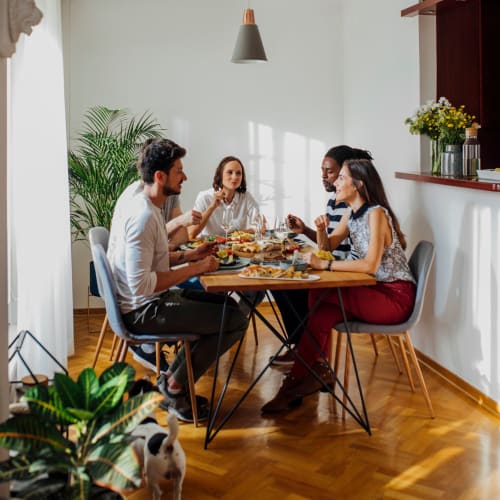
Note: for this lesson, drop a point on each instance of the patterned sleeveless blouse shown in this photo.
(394, 265)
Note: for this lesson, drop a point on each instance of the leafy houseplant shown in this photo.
(102, 164)
(92, 412)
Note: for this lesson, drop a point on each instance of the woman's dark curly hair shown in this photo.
(217, 183)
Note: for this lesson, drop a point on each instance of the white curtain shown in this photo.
(40, 288)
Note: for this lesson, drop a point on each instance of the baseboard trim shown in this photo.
(460, 384)
(455, 381)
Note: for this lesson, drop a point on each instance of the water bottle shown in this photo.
(471, 153)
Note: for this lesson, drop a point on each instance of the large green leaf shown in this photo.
(46, 403)
(115, 370)
(111, 393)
(114, 466)
(89, 384)
(128, 415)
(69, 391)
(28, 433)
(15, 468)
(41, 489)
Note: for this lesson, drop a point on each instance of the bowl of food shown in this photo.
(298, 265)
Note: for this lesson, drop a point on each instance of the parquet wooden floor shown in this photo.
(311, 453)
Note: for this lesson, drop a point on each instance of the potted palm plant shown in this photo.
(102, 164)
(75, 442)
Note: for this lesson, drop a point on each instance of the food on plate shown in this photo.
(324, 254)
(292, 247)
(195, 243)
(241, 236)
(258, 271)
(224, 256)
(246, 247)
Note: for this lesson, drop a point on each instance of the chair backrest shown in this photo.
(98, 236)
(420, 264)
(107, 288)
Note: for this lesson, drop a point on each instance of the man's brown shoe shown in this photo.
(286, 399)
(311, 384)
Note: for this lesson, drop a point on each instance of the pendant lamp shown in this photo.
(248, 48)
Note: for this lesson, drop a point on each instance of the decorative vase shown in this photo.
(437, 148)
(451, 161)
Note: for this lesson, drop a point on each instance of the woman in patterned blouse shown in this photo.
(379, 242)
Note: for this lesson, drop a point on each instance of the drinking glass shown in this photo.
(227, 219)
(255, 222)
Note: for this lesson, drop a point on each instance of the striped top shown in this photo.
(335, 213)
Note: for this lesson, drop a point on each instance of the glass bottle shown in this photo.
(471, 153)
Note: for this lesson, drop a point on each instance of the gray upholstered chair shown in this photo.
(107, 289)
(420, 264)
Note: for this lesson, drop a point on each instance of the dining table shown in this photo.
(231, 282)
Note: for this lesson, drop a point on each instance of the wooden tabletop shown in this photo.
(328, 279)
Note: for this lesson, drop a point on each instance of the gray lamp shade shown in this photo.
(249, 48)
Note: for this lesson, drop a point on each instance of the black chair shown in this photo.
(107, 289)
(420, 264)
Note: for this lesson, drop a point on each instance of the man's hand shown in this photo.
(204, 250)
(208, 264)
(189, 218)
(296, 224)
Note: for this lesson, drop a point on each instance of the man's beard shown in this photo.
(168, 191)
(329, 188)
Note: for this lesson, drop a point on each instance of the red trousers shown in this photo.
(383, 303)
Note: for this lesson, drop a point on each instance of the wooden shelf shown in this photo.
(427, 7)
(448, 181)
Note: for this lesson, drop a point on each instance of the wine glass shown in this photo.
(255, 222)
(227, 219)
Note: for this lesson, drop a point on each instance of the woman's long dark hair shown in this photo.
(217, 183)
(372, 190)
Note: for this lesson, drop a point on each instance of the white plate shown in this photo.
(238, 264)
(311, 277)
(488, 175)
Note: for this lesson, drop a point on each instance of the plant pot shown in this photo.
(451, 161)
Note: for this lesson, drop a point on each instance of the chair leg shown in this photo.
(122, 351)
(113, 347)
(374, 343)
(100, 340)
(254, 329)
(420, 375)
(394, 355)
(407, 365)
(192, 393)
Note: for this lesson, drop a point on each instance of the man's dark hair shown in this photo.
(342, 153)
(158, 154)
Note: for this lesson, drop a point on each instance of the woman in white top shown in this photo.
(229, 190)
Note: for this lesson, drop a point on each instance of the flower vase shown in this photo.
(451, 161)
(436, 149)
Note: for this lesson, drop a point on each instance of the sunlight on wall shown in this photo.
(287, 178)
(481, 286)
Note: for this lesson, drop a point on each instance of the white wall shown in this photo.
(172, 58)
(339, 71)
(460, 327)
